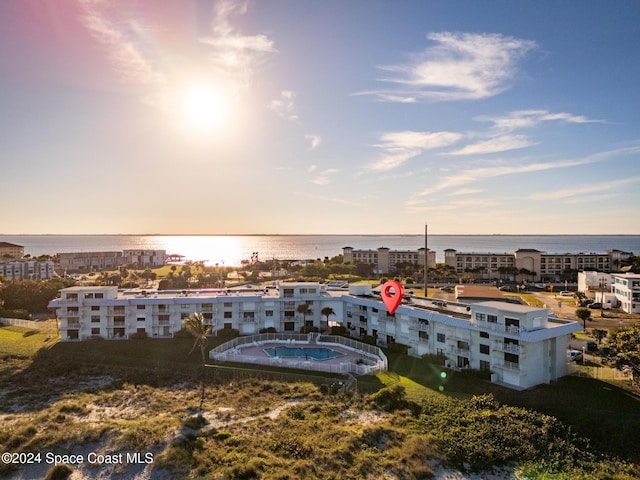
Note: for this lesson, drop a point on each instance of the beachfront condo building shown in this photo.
(529, 264)
(100, 261)
(521, 346)
(384, 259)
(10, 250)
(27, 270)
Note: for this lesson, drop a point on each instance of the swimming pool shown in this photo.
(315, 353)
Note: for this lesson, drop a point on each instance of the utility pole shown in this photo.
(426, 260)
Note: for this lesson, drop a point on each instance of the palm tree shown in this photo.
(583, 314)
(197, 327)
(327, 312)
(305, 310)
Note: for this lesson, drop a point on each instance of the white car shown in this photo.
(574, 355)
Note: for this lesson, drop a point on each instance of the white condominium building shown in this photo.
(384, 259)
(626, 288)
(27, 270)
(521, 346)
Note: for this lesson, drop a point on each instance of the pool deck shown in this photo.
(349, 362)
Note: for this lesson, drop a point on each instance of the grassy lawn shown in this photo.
(26, 341)
(153, 371)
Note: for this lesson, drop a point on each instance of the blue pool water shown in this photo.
(315, 353)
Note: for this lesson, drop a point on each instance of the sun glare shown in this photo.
(204, 109)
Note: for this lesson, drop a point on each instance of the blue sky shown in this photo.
(319, 117)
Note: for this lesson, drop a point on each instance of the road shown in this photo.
(565, 308)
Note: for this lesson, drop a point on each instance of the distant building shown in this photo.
(532, 265)
(591, 282)
(10, 250)
(27, 270)
(145, 258)
(99, 261)
(626, 288)
(384, 259)
(89, 261)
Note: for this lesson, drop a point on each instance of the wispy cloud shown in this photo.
(324, 177)
(314, 141)
(474, 174)
(584, 190)
(459, 66)
(285, 106)
(466, 191)
(399, 147)
(122, 40)
(530, 118)
(500, 143)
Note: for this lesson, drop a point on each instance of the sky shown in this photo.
(319, 117)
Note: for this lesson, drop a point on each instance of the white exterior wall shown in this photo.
(523, 356)
(626, 288)
(589, 282)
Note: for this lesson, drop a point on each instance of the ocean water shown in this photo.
(229, 250)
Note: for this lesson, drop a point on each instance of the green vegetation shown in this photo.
(143, 395)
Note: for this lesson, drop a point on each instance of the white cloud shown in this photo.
(584, 190)
(314, 141)
(400, 147)
(459, 66)
(501, 143)
(284, 106)
(312, 168)
(530, 118)
(466, 191)
(471, 175)
(324, 177)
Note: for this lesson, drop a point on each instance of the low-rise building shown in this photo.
(11, 250)
(529, 264)
(626, 288)
(145, 258)
(384, 259)
(590, 282)
(27, 270)
(89, 261)
(521, 346)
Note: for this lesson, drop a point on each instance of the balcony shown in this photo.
(510, 366)
(73, 323)
(508, 347)
(463, 352)
(497, 327)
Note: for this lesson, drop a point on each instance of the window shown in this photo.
(484, 349)
(95, 308)
(289, 314)
(481, 317)
(163, 318)
(423, 335)
(492, 319)
(248, 316)
(512, 322)
(95, 331)
(463, 345)
(95, 318)
(485, 366)
(268, 313)
(289, 326)
(511, 357)
(228, 315)
(227, 326)
(141, 307)
(99, 295)
(140, 319)
(88, 296)
(484, 335)
(440, 337)
(227, 304)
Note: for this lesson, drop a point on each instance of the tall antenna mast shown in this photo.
(426, 260)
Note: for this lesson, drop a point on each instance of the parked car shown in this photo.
(595, 305)
(566, 293)
(574, 355)
(506, 288)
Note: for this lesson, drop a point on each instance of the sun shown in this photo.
(203, 108)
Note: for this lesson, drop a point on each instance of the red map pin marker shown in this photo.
(392, 302)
